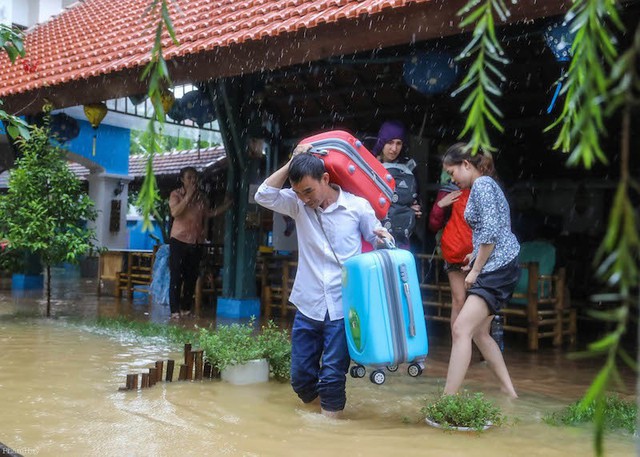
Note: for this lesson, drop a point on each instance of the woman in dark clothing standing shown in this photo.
(191, 212)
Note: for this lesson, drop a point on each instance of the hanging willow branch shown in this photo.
(585, 85)
(11, 42)
(619, 253)
(488, 55)
(157, 74)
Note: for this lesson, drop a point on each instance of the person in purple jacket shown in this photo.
(493, 269)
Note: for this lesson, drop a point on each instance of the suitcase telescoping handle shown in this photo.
(317, 151)
(407, 292)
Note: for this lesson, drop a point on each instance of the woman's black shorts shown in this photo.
(496, 287)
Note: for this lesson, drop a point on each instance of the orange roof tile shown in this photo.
(98, 37)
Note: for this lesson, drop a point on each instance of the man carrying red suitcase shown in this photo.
(330, 223)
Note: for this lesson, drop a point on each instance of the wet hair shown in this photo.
(460, 152)
(186, 170)
(305, 164)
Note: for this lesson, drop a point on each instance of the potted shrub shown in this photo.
(242, 357)
(462, 412)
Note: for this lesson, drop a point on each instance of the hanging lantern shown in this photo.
(559, 39)
(198, 107)
(167, 99)
(64, 128)
(95, 112)
(137, 98)
(430, 72)
(176, 112)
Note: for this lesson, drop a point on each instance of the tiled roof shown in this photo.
(168, 163)
(98, 37)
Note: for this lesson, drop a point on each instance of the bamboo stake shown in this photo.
(170, 365)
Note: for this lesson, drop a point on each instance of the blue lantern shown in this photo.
(64, 128)
(430, 72)
(198, 107)
(559, 38)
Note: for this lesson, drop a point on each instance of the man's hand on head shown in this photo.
(301, 149)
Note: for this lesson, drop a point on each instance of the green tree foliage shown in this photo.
(156, 74)
(45, 210)
(141, 143)
(11, 42)
(480, 78)
(593, 52)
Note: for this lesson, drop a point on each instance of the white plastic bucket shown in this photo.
(252, 372)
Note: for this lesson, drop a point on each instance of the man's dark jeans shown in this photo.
(312, 342)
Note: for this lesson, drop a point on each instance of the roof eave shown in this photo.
(413, 23)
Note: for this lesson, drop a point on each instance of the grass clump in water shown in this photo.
(465, 409)
(172, 333)
(618, 414)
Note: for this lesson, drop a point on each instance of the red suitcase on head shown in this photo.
(354, 168)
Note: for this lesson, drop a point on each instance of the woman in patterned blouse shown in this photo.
(493, 268)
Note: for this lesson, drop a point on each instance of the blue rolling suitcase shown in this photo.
(384, 318)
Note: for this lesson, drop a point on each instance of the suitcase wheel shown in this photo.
(392, 368)
(414, 370)
(377, 377)
(357, 371)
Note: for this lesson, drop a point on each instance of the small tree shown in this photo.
(45, 210)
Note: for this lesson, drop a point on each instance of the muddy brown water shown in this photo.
(59, 395)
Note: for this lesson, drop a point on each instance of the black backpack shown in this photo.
(401, 219)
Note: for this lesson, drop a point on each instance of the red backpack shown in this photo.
(456, 242)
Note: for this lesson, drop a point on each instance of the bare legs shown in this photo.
(472, 324)
(458, 293)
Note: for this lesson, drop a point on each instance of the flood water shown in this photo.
(59, 395)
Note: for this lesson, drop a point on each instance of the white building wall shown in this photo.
(27, 13)
(48, 8)
(6, 11)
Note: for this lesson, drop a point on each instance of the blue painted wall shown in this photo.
(139, 239)
(112, 146)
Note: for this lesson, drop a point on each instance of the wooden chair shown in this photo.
(540, 305)
(277, 275)
(434, 287)
(138, 270)
(110, 264)
(209, 283)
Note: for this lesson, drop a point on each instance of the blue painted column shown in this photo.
(241, 242)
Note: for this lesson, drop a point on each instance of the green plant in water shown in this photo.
(171, 333)
(277, 347)
(465, 409)
(237, 344)
(618, 414)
